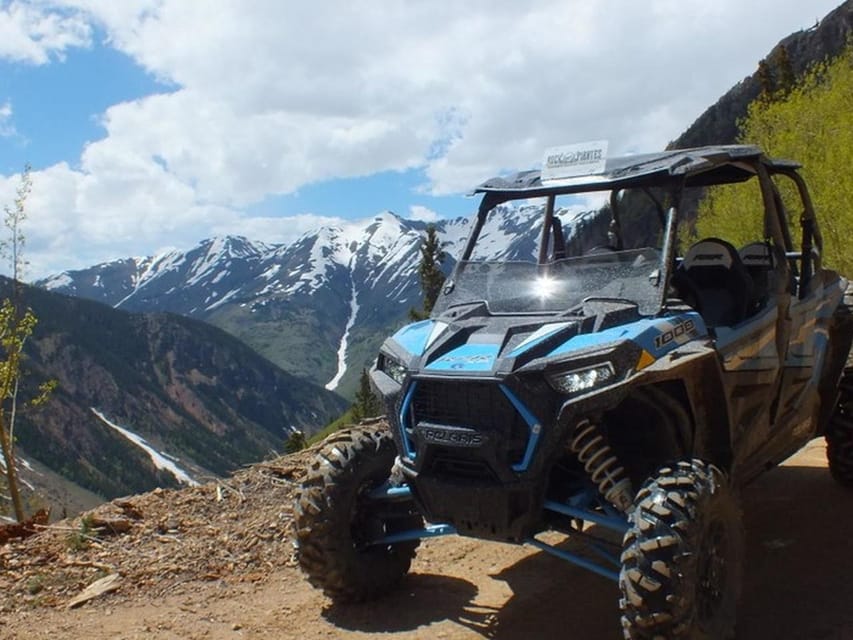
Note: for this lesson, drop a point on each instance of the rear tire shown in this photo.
(335, 520)
(682, 556)
(839, 433)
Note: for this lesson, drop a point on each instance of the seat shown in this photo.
(713, 280)
(757, 258)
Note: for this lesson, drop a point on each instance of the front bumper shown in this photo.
(472, 452)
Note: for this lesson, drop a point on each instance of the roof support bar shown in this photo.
(546, 229)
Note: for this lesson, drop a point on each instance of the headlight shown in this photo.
(582, 379)
(392, 369)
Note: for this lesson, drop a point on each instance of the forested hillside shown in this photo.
(809, 120)
(198, 396)
(791, 58)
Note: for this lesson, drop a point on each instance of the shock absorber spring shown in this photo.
(602, 466)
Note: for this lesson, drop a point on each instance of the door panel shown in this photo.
(751, 373)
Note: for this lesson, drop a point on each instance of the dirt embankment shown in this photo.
(216, 562)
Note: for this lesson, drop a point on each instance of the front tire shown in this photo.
(682, 556)
(335, 520)
(839, 433)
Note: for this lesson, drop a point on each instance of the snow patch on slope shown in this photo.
(332, 384)
(59, 281)
(19, 462)
(160, 460)
(222, 300)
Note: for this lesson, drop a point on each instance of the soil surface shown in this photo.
(216, 562)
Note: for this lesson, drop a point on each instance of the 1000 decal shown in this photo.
(678, 333)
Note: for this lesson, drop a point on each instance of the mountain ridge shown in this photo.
(200, 398)
(331, 286)
(718, 124)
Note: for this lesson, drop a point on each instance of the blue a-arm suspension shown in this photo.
(581, 510)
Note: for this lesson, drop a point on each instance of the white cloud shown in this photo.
(75, 220)
(33, 31)
(240, 157)
(271, 96)
(7, 128)
(424, 214)
(282, 96)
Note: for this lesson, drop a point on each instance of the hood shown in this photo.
(469, 341)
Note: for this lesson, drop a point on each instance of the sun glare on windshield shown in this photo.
(544, 287)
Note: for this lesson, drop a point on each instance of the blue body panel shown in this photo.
(413, 338)
(470, 358)
(658, 336)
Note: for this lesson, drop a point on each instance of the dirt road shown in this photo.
(798, 586)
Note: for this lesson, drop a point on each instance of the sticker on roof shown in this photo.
(569, 161)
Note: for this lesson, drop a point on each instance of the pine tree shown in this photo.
(366, 404)
(786, 78)
(766, 81)
(429, 270)
(776, 76)
(296, 442)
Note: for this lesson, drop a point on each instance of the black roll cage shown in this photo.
(672, 171)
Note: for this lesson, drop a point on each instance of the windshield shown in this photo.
(518, 287)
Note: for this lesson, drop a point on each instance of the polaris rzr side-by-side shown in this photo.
(619, 386)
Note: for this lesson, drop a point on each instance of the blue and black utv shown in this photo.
(625, 380)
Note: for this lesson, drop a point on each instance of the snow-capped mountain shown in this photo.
(318, 307)
(214, 264)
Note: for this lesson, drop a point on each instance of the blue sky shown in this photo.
(362, 197)
(57, 106)
(58, 109)
(152, 124)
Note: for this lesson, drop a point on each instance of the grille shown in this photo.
(446, 464)
(474, 405)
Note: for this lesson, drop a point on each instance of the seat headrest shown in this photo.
(712, 252)
(757, 255)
